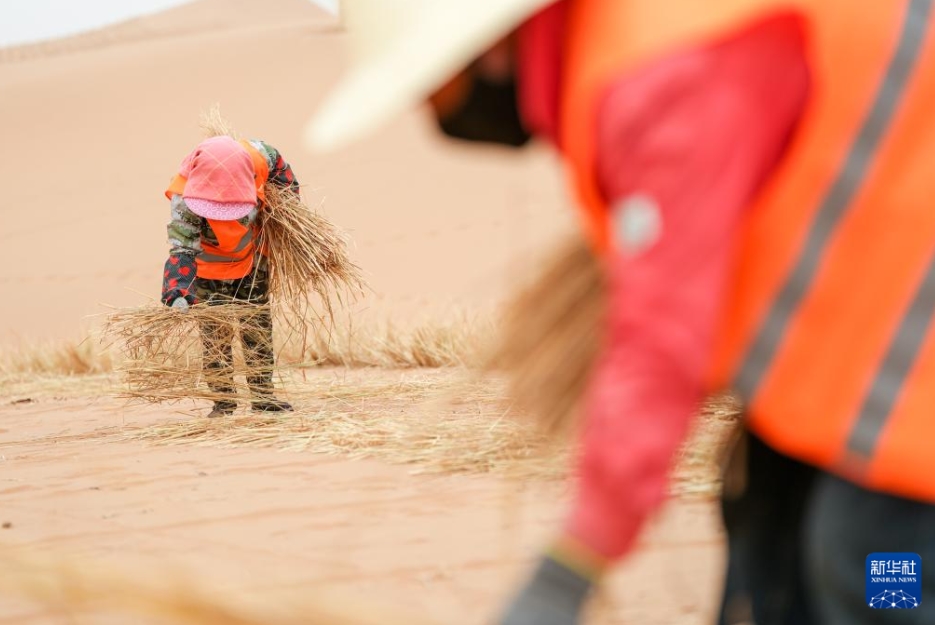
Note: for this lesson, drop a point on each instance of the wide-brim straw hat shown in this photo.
(401, 51)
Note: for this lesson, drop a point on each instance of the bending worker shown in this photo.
(756, 176)
(215, 258)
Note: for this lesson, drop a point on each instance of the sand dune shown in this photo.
(92, 136)
(188, 19)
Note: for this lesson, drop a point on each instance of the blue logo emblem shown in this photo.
(894, 581)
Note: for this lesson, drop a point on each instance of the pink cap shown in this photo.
(222, 211)
(220, 180)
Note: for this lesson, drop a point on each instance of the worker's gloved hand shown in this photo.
(177, 280)
(553, 596)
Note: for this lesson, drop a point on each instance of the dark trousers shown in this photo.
(256, 332)
(798, 539)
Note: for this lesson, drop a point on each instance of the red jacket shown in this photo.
(681, 146)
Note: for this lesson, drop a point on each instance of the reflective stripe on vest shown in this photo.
(889, 379)
(234, 254)
(827, 324)
(828, 338)
(232, 257)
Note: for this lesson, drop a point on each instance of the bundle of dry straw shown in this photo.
(306, 253)
(551, 335)
(164, 353)
(72, 590)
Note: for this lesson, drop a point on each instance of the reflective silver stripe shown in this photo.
(900, 357)
(213, 258)
(760, 355)
(245, 240)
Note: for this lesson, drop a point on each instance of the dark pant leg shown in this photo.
(218, 356)
(764, 522)
(845, 524)
(256, 327)
(257, 335)
(217, 338)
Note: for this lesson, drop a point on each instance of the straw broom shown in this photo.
(551, 336)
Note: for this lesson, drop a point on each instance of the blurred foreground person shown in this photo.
(755, 177)
(215, 258)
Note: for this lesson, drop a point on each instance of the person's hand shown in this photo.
(177, 280)
(553, 596)
(180, 303)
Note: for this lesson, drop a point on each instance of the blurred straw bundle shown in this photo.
(85, 592)
(550, 337)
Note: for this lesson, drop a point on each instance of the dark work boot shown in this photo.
(271, 405)
(222, 408)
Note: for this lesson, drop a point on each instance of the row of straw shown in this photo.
(163, 353)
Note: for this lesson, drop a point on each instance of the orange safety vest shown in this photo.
(232, 257)
(828, 331)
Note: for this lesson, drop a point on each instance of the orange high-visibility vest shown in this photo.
(232, 257)
(828, 331)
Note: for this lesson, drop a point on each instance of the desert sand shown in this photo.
(86, 475)
(94, 126)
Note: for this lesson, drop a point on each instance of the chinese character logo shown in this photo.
(894, 581)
